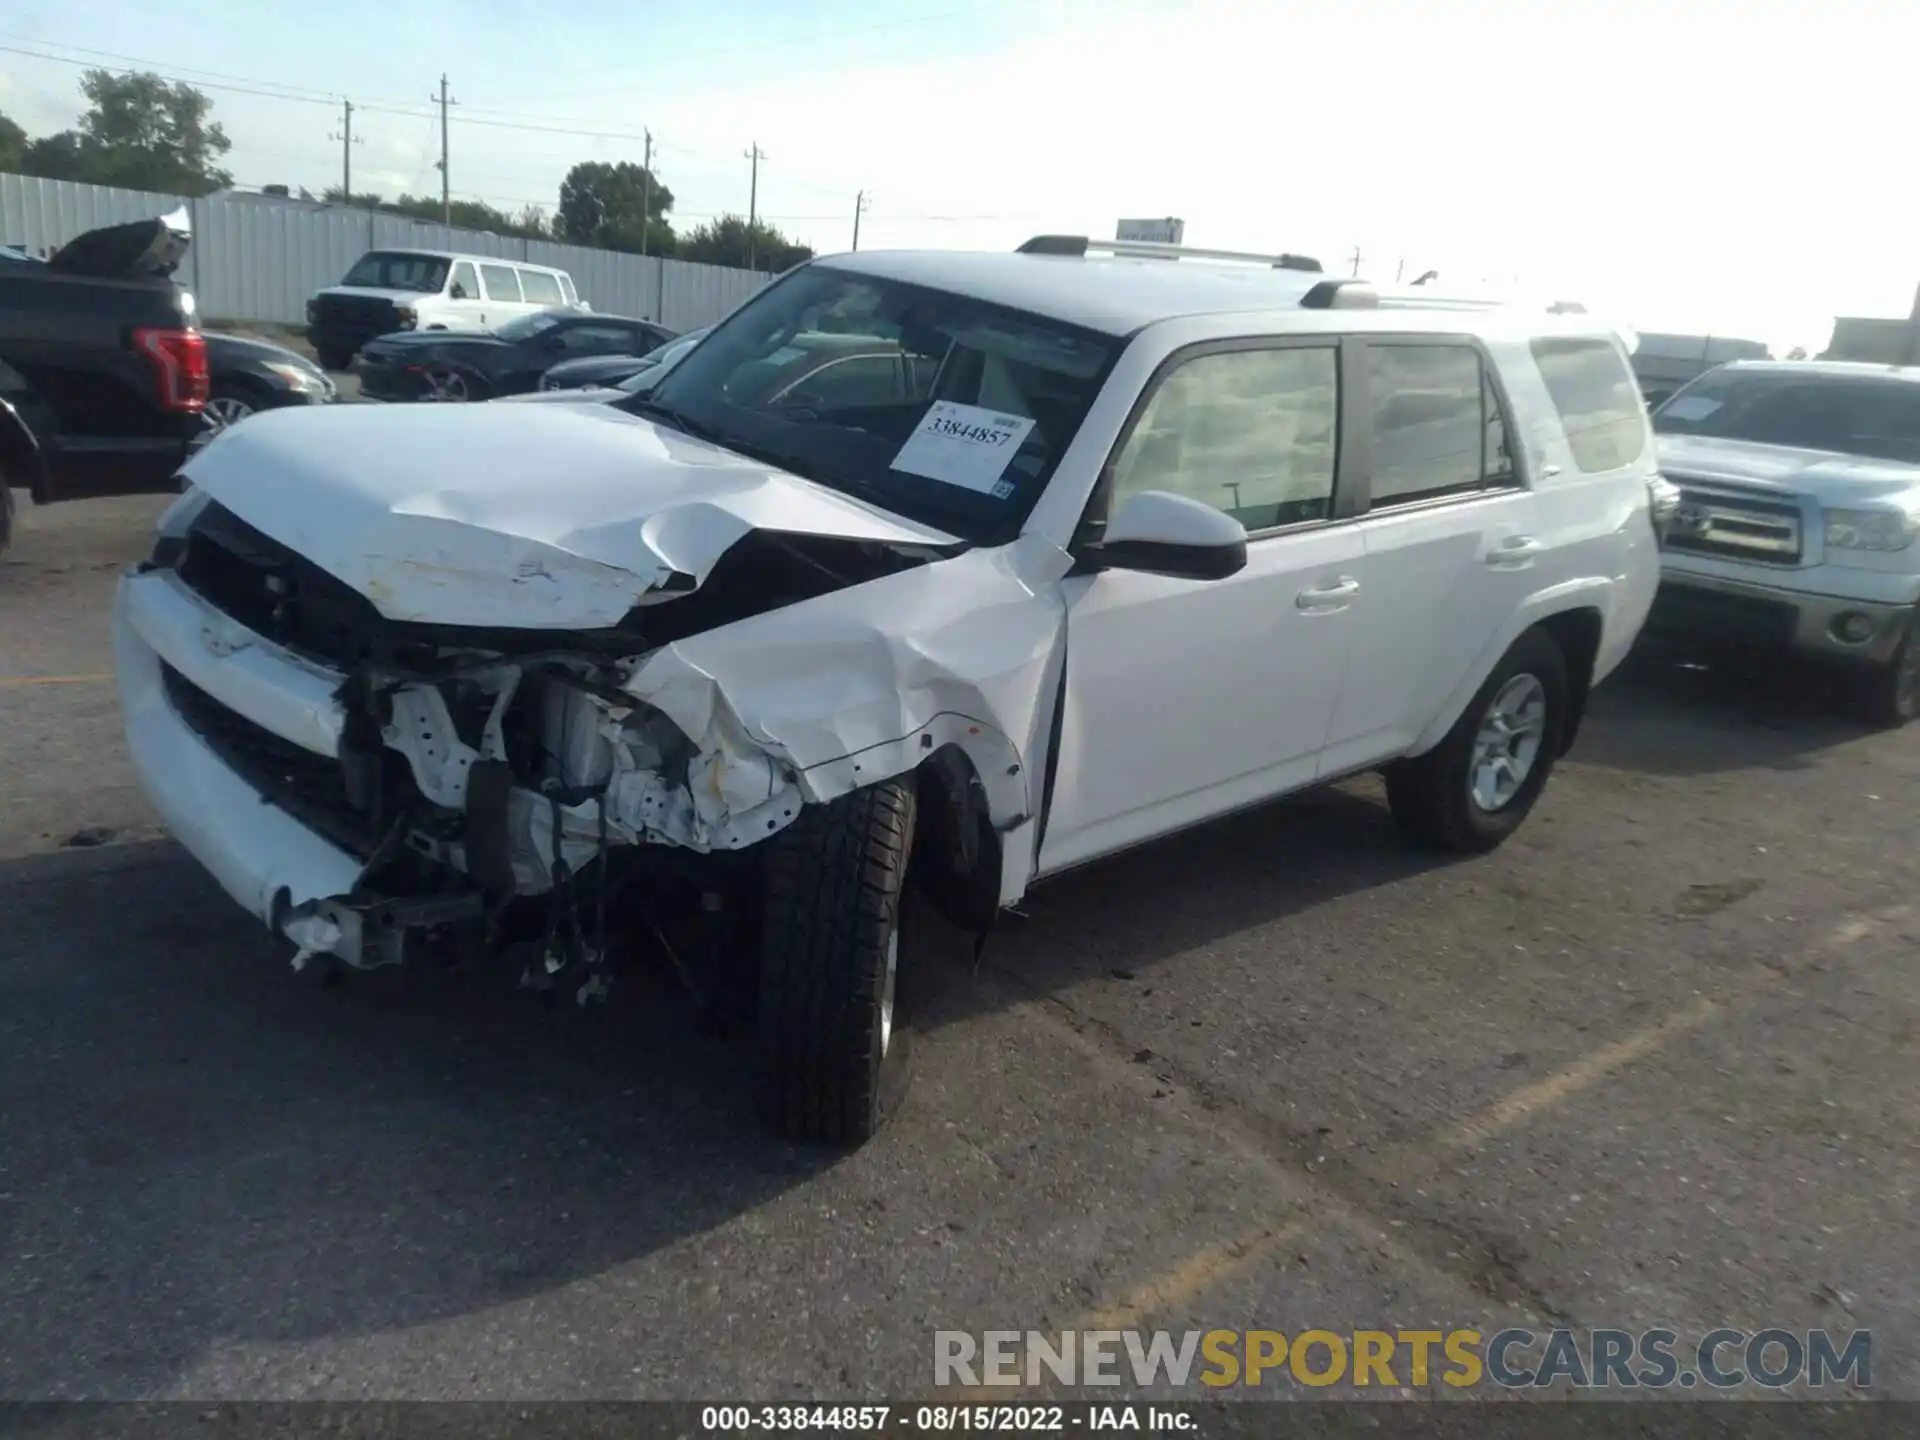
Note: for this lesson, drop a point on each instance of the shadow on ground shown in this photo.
(199, 1146)
(1678, 710)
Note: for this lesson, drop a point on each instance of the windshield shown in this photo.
(947, 410)
(1865, 415)
(525, 327)
(392, 270)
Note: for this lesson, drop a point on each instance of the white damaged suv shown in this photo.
(1070, 551)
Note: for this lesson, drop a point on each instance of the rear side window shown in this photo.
(1599, 403)
(540, 288)
(1250, 432)
(1437, 425)
(501, 282)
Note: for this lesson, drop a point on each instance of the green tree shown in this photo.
(725, 241)
(603, 204)
(54, 157)
(13, 147)
(140, 132)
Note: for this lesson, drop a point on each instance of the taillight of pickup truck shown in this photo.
(181, 358)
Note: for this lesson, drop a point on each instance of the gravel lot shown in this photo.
(1651, 1064)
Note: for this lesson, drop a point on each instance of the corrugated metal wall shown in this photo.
(259, 259)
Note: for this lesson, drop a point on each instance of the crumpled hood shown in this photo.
(530, 517)
(1785, 470)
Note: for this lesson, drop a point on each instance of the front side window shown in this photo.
(466, 285)
(1437, 425)
(398, 270)
(566, 289)
(502, 283)
(1863, 415)
(1250, 432)
(540, 288)
(969, 453)
(1599, 404)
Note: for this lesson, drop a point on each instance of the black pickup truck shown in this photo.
(103, 372)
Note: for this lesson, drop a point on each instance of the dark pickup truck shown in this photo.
(103, 372)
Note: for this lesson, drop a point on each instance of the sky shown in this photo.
(1722, 166)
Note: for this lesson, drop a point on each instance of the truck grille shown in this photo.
(364, 314)
(275, 592)
(1733, 526)
(311, 788)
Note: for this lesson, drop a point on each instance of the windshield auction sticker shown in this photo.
(963, 445)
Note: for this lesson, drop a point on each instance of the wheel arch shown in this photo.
(1574, 616)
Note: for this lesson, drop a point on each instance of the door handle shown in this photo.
(1516, 552)
(1334, 597)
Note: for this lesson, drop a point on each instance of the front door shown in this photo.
(1185, 699)
(464, 308)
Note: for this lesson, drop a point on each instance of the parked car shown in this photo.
(1098, 549)
(388, 290)
(504, 361)
(1800, 504)
(246, 373)
(594, 372)
(640, 383)
(103, 375)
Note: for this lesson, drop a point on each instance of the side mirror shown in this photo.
(1161, 533)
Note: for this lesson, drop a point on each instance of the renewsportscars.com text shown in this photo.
(1511, 1359)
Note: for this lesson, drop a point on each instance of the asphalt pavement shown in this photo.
(1650, 1064)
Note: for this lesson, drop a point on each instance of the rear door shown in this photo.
(502, 286)
(540, 289)
(1451, 536)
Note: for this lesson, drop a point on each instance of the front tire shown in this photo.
(337, 360)
(835, 1046)
(1889, 694)
(1472, 790)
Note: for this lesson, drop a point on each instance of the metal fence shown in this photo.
(259, 257)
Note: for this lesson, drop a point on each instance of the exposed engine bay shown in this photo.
(477, 771)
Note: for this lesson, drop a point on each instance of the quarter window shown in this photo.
(1437, 425)
(501, 284)
(1250, 432)
(540, 288)
(1599, 404)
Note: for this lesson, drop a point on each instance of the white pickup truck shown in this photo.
(1799, 507)
(1088, 549)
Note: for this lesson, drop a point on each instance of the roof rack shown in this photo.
(1081, 244)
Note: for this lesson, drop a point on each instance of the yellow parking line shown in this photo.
(6, 680)
(1192, 1277)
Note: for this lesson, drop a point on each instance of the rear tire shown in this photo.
(1889, 694)
(1457, 796)
(836, 1047)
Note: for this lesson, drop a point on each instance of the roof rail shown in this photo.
(1081, 244)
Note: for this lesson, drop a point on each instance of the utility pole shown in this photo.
(1356, 257)
(753, 201)
(446, 180)
(646, 190)
(347, 142)
(861, 204)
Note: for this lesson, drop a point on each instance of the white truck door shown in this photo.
(1184, 698)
